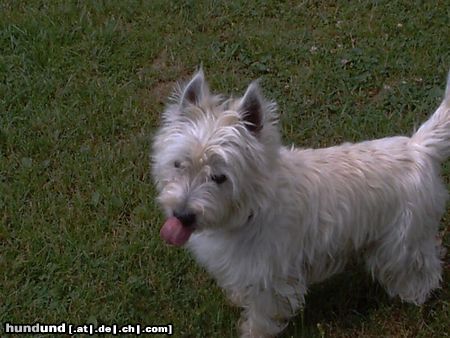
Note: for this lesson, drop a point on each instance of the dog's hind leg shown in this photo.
(407, 264)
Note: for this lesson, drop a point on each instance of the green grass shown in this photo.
(82, 86)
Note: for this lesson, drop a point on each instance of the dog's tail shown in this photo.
(433, 137)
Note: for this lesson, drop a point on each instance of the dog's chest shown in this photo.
(234, 262)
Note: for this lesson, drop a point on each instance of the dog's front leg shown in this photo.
(267, 310)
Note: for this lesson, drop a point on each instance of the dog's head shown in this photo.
(213, 159)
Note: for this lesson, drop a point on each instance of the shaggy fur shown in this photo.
(280, 219)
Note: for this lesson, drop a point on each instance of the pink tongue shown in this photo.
(173, 232)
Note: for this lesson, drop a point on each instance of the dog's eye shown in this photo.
(219, 179)
(177, 164)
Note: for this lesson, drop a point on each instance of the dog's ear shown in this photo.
(251, 108)
(195, 90)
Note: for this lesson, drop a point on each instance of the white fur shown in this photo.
(287, 217)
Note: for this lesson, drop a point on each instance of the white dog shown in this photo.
(267, 221)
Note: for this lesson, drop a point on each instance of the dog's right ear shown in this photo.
(195, 90)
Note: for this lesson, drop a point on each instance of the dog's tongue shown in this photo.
(173, 232)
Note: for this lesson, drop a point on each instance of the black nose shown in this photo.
(186, 218)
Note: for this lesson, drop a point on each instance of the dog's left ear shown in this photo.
(195, 90)
(251, 108)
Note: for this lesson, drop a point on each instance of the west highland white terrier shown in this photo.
(267, 220)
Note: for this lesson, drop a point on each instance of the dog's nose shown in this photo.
(186, 218)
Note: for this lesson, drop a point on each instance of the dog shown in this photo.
(266, 221)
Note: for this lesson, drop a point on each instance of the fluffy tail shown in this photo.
(433, 137)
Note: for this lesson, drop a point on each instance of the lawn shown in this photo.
(82, 87)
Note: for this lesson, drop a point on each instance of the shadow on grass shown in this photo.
(353, 303)
(345, 301)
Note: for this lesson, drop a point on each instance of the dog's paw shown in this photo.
(247, 329)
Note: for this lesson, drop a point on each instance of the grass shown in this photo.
(82, 85)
